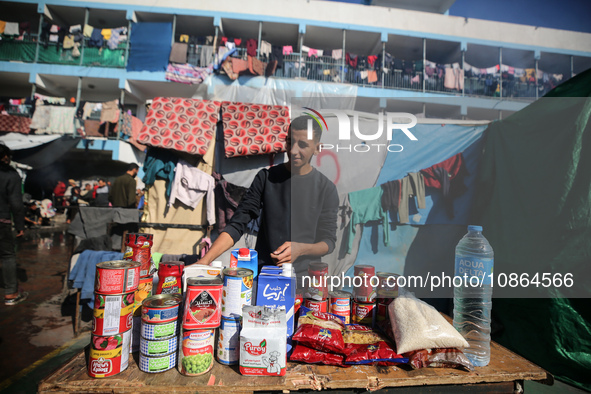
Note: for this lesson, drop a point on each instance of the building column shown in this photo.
(384, 40)
(424, 60)
(38, 37)
(78, 92)
(572, 66)
(500, 73)
(121, 111)
(537, 56)
(344, 56)
(82, 44)
(260, 35)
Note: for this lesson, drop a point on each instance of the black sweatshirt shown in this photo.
(311, 199)
(11, 197)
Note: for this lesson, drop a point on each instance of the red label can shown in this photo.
(138, 247)
(363, 313)
(203, 303)
(109, 355)
(170, 276)
(144, 290)
(112, 314)
(316, 306)
(388, 286)
(116, 277)
(363, 290)
(340, 304)
(382, 308)
(318, 273)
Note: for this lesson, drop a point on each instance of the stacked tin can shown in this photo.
(158, 335)
(363, 306)
(201, 318)
(115, 285)
(138, 248)
(316, 296)
(386, 292)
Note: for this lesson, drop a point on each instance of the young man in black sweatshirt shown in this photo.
(298, 207)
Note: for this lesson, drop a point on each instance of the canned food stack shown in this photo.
(236, 292)
(158, 336)
(386, 292)
(316, 297)
(201, 318)
(138, 248)
(115, 285)
(363, 306)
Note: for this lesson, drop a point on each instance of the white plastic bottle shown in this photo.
(472, 301)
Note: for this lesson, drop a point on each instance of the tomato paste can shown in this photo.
(161, 308)
(112, 313)
(109, 355)
(340, 304)
(318, 273)
(316, 306)
(236, 292)
(144, 290)
(196, 351)
(382, 308)
(363, 313)
(116, 277)
(159, 347)
(388, 285)
(138, 247)
(228, 345)
(363, 290)
(245, 258)
(203, 303)
(170, 277)
(158, 331)
(156, 364)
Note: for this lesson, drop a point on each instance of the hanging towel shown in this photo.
(266, 48)
(178, 53)
(206, 57)
(312, 52)
(367, 206)
(287, 50)
(251, 47)
(88, 31)
(372, 76)
(106, 33)
(305, 48)
(190, 186)
(11, 29)
(110, 112)
(337, 54)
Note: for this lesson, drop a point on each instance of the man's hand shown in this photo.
(20, 233)
(286, 253)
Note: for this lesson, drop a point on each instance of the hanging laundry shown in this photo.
(75, 29)
(238, 41)
(206, 57)
(372, 60)
(116, 37)
(251, 47)
(305, 48)
(184, 38)
(391, 197)
(223, 41)
(96, 39)
(110, 112)
(40, 120)
(50, 99)
(265, 48)
(287, 50)
(351, 59)
(230, 45)
(88, 31)
(160, 164)
(187, 73)
(363, 74)
(178, 53)
(449, 177)
(277, 55)
(337, 54)
(11, 29)
(312, 52)
(190, 186)
(239, 65)
(372, 76)
(412, 185)
(227, 198)
(106, 33)
(2, 26)
(366, 205)
(61, 120)
(68, 42)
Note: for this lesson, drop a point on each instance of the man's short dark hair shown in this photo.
(102, 180)
(132, 166)
(301, 123)
(5, 151)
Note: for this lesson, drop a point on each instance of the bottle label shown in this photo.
(474, 267)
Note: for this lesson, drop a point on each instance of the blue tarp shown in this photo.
(85, 269)
(150, 46)
(435, 144)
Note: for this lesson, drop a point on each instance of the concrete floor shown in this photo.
(39, 329)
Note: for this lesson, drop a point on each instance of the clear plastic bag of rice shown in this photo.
(417, 325)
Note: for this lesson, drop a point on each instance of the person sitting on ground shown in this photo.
(122, 193)
(102, 194)
(33, 215)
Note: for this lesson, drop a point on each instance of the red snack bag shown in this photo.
(380, 353)
(320, 331)
(439, 358)
(313, 356)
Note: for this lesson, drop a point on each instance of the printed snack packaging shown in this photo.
(263, 341)
(364, 346)
(312, 356)
(320, 331)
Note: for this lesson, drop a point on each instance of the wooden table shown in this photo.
(505, 373)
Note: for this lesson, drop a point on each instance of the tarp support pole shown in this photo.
(39, 37)
(344, 55)
(424, 60)
(260, 35)
(500, 73)
(383, 62)
(86, 15)
(173, 28)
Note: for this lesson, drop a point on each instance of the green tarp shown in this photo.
(535, 204)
